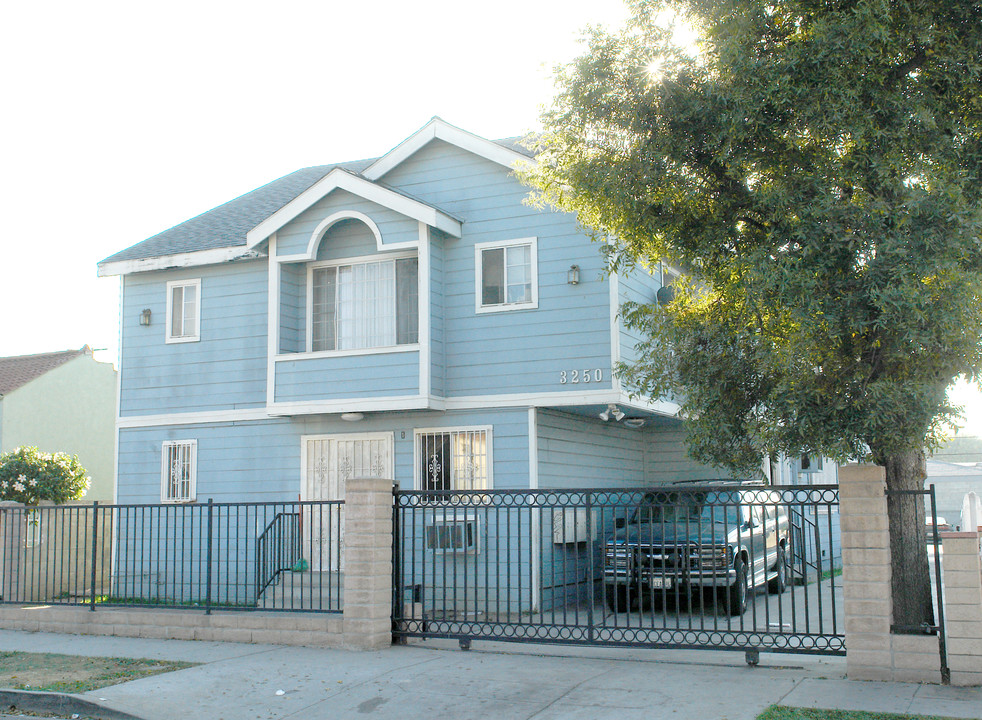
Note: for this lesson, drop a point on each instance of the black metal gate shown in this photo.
(692, 565)
(934, 556)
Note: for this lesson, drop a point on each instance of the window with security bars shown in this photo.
(179, 466)
(453, 460)
(364, 305)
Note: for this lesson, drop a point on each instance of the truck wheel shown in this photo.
(616, 597)
(779, 582)
(735, 595)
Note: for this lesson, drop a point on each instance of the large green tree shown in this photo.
(816, 170)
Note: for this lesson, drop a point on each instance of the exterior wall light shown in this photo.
(634, 422)
(612, 409)
(352, 416)
(145, 317)
(573, 275)
(665, 294)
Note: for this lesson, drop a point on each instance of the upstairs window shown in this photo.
(364, 305)
(506, 277)
(183, 310)
(178, 471)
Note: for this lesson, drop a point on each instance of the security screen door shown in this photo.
(329, 462)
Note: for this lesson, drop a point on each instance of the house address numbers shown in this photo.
(575, 377)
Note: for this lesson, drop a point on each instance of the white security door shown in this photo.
(329, 462)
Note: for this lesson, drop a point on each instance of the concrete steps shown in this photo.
(308, 590)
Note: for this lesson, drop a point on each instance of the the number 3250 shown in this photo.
(575, 377)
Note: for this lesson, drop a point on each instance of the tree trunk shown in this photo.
(911, 586)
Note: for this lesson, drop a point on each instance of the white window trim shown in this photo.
(193, 282)
(309, 341)
(669, 274)
(478, 280)
(165, 472)
(488, 439)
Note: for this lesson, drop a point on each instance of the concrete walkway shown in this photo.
(493, 681)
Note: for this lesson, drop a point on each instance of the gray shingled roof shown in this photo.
(227, 225)
(20, 370)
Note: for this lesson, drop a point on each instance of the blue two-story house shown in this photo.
(409, 316)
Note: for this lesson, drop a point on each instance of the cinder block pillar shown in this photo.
(11, 549)
(368, 563)
(872, 652)
(963, 606)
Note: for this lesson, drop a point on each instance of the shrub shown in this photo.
(30, 476)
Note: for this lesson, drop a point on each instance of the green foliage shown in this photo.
(817, 167)
(30, 476)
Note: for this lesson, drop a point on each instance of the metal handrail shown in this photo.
(270, 563)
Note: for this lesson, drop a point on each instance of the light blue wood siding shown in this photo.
(347, 376)
(517, 351)
(438, 365)
(348, 238)
(226, 369)
(666, 459)
(294, 237)
(636, 286)
(577, 452)
(259, 461)
(293, 301)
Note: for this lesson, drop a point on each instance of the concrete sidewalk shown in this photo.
(496, 681)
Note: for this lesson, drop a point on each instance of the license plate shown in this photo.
(661, 583)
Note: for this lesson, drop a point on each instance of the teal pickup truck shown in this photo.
(724, 537)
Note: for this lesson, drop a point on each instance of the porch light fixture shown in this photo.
(145, 317)
(612, 409)
(352, 416)
(573, 275)
(634, 422)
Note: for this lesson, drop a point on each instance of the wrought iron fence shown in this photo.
(742, 567)
(237, 556)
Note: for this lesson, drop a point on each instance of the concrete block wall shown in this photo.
(309, 629)
(872, 651)
(963, 606)
(368, 563)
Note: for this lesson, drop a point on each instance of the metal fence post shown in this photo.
(211, 505)
(591, 580)
(95, 544)
(939, 593)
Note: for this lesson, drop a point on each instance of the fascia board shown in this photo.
(440, 130)
(339, 179)
(178, 260)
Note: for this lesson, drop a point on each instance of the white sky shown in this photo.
(122, 119)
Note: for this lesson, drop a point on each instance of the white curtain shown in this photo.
(366, 305)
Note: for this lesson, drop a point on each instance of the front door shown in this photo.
(329, 461)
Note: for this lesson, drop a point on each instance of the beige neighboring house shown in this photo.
(955, 470)
(62, 402)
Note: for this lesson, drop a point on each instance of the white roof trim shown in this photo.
(344, 180)
(437, 129)
(178, 260)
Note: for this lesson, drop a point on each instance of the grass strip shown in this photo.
(781, 712)
(76, 674)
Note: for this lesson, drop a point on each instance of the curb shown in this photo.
(58, 703)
